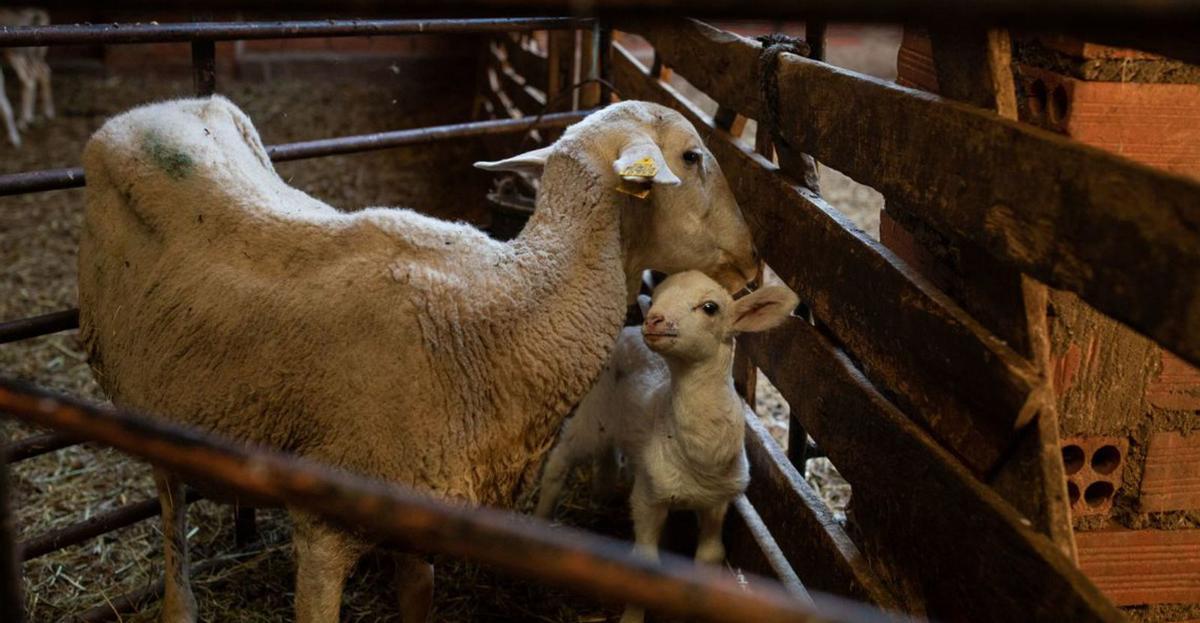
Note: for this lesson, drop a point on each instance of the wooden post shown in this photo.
(975, 66)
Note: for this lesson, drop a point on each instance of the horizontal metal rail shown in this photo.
(38, 445)
(595, 565)
(68, 34)
(59, 179)
(25, 328)
(93, 527)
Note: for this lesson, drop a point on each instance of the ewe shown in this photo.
(382, 342)
(666, 403)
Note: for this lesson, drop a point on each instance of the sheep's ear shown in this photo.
(531, 162)
(763, 309)
(644, 304)
(641, 161)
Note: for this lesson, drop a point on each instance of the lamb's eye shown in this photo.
(691, 156)
(710, 308)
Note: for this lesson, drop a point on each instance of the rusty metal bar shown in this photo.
(88, 529)
(604, 49)
(814, 35)
(11, 602)
(595, 565)
(58, 179)
(25, 328)
(64, 34)
(38, 445)
(204, 67)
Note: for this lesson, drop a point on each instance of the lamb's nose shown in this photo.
(655, 321)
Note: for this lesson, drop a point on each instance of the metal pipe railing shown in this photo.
(93, 527)
(75, 34)
(59, 179)
(37, 445)
(591, 564)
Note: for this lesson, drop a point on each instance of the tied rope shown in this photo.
(768, 77)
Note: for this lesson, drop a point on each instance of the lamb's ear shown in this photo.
(644, 304)
(530, 162)
(642, 161)
(763, 309)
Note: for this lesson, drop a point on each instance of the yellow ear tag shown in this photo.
(642, 168)
(641, 190)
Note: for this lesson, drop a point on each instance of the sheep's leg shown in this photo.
(43, 77)
(608, 474)
(554, 477)
(25, 75)
(10, 124)
(648, 519)
(179, 604)
(324, 558)
(709, 548)
(414, 578)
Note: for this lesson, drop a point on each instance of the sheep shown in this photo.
(666, 403)
(29, 63)
(382, 342)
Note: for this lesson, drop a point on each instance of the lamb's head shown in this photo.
(692, 316)
(679, 213)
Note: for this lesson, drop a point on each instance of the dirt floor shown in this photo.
(38, 239)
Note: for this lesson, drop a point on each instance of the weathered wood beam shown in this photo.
(945, 370)
(967, 551)
(819, 550)
(1124, 236)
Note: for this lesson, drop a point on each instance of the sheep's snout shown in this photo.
(658, 330)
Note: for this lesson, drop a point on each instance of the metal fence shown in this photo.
(594, 565)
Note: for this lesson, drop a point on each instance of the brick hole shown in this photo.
(1072, 492)
(1058, 105)
(1072, 459)
(1098, 493)
(1038, 96)
(1106, 459)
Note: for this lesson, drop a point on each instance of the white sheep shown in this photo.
(382, 342)
(666, 403)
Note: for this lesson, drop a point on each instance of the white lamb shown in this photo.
(382, 342)
(666, 402)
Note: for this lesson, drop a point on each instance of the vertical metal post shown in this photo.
(814, 35)
(204, 67)
(11, 603)
(604, 57)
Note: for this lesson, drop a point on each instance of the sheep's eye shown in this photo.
(691, 156)
(710, 308)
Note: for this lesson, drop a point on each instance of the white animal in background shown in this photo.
(32, 71)
(666, 403)
(383, 342)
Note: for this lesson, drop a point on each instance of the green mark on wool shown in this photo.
(175, 163)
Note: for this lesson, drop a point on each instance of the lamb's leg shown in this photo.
(608, 475)
(179, 605)
(414, 578)
(709, 548)
(554, 476)
(324, 558)
(10, 124)
(43, 76)
(648, 519)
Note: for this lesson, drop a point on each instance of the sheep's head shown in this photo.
(691, 315)
(680, 213)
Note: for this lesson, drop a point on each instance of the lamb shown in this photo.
(29, 63)
(382, 341)
(666, 402)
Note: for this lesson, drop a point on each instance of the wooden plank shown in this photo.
(946, 370)
(916, 503)
(533, 67)
(819, 550)
(1124, 236)
(1135, 567)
